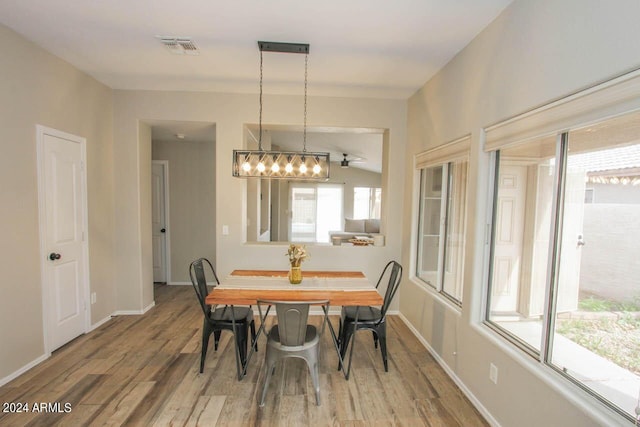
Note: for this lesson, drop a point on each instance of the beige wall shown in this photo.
(230, 112)
(192, 202)
(533, 53)
(38, 88)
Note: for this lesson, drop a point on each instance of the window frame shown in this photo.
(611, 99)
(457, 151)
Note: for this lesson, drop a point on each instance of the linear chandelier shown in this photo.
(301, 165)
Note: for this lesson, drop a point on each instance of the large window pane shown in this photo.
(597, 319)
(303, 214)
(366, 202)
(441, 227)
(455, 231)
(329, 210)
(315, 210)
(520, 243)
(430, 225)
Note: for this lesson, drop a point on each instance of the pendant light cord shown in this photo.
(304, 132)
(260, 115)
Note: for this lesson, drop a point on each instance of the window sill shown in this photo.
(438, 296)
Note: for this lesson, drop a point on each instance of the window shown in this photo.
(440, 252)
(366, 202)
(315, 210)
(564, 281)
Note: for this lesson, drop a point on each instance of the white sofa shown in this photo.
(353, 228)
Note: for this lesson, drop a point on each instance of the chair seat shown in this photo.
(365, 314)
(310, 339)
(240, 314)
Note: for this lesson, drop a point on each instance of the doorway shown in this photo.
(190, 193)
(160, 220)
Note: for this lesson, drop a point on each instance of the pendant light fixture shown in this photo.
(301, 165)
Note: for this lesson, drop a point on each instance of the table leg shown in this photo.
(334, 339)
(253, 342)
(239, 368)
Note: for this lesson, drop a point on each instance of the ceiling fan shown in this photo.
(345, 162)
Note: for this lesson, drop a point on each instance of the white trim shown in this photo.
(178, 283)
(46, 298)
(24, 369)
(167, 221)
(138, 191)
(100, 323)
(474, 400)
(149, 307)
(609, 99)
(134, 312)
(444, 153)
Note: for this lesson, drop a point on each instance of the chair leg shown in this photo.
(350, 335)
(375, 339)
(313, 369)
(382, 336)
(344, 344)
(269, 367)
(253, 335)
(206, 332)
(241, 336)
(216, 339)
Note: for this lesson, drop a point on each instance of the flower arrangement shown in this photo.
(297, 254)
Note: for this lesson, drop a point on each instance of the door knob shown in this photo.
(54, 256)
(162, 230)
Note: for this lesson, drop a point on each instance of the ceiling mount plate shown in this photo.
(283, 47)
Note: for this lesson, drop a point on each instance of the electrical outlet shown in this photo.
(225, 230)
(93, 297)
(493, 373)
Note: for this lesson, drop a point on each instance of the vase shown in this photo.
(295, 275)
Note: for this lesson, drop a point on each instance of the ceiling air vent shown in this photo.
(179, 45)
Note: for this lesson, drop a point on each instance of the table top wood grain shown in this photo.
(340, 297)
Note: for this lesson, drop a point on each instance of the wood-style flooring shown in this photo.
(143, 370)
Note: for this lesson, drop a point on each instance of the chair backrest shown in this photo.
(199, 281)
(292, 319)
(394, 269)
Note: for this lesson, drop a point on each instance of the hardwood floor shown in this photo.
(143, 370)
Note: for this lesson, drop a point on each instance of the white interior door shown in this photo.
(159, 223)
(509, 238)
(63, 239)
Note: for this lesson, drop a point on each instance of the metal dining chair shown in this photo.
(355, 318)
(292, 337)
(218, 319)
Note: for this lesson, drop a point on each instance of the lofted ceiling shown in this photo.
(361, 48)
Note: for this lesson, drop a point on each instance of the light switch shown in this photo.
(225, 230)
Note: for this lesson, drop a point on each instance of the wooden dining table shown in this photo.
(247, 287)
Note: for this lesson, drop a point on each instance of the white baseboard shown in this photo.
(24, 369)
(99, 323)
(474, 400)
(149, 307)
(134, 312)
(180, 283)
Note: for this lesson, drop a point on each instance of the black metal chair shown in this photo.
(355, 318)
(218, 319)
